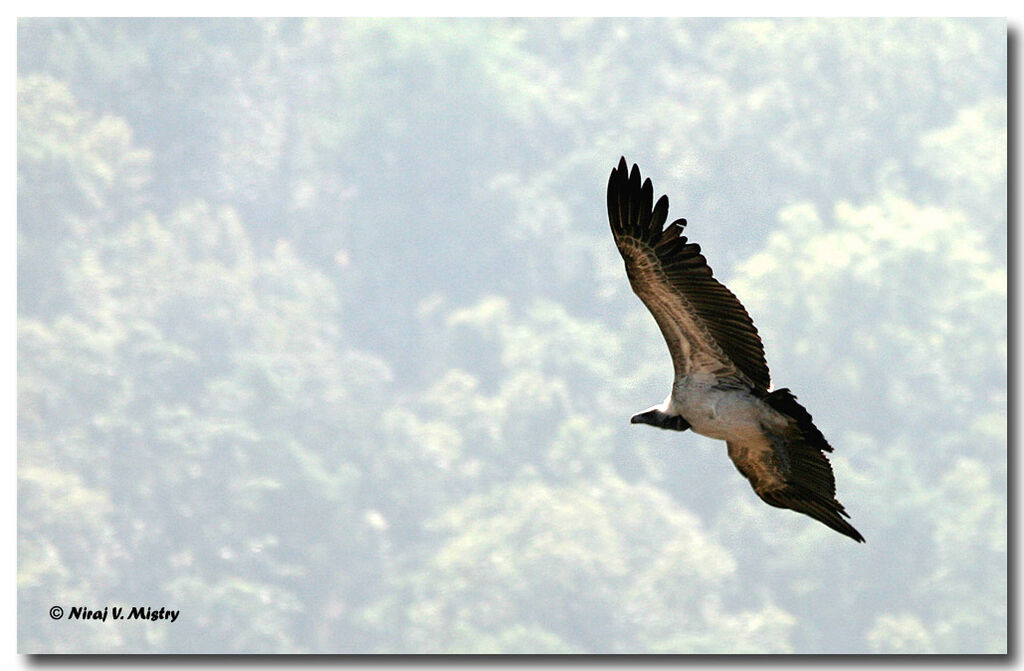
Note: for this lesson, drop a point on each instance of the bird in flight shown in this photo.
(721, 385)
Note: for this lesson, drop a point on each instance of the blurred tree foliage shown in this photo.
(322, 338)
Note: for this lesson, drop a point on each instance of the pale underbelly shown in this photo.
(732, 415)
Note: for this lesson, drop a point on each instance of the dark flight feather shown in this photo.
(683, 270)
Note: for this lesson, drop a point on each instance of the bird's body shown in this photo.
(721, 385)
(730, 413)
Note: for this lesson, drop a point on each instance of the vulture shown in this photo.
(721, 388)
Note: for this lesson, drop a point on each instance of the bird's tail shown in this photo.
(783, 400)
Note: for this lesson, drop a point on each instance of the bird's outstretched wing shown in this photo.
(706, 327)
(790, 470)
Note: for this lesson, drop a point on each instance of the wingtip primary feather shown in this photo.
(660, 214)
(633, 216)
(646, 200)
(630, 199)
(801, 500)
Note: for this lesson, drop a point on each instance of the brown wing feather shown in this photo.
(697, 314)
(791, 470)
